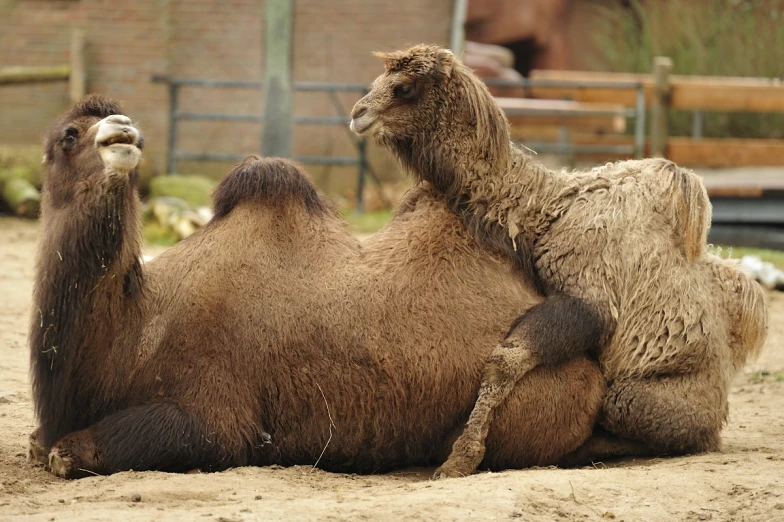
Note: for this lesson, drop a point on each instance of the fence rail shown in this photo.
(565, 145)
(697, 94)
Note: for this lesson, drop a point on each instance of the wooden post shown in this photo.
(278, 121)
(662, 67)
(77, 81)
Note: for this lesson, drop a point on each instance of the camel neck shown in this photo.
(521, 195)
(88, 284)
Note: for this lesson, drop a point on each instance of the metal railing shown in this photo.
(564, 145)
(342, 119)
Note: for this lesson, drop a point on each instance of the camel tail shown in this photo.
(272, 181)
(752, 328)
(691, 210)
(746, 307)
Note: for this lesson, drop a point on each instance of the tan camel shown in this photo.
(626, 238)
(271, 336)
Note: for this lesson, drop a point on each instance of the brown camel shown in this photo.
(627, 238)
(271, 335)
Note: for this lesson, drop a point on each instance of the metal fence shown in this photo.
(564, 145)
(342, 119)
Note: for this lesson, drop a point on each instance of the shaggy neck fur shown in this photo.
(88, 284)
(466, 154)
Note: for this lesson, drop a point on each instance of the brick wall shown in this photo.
(128, 42)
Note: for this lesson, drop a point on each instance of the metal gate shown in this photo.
(342, 119)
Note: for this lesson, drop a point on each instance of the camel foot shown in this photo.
(447, 471)
(37, 455)
(465, 458)
(60, 465)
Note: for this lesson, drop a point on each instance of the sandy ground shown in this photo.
(743, 482)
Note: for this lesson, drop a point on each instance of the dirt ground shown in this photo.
(743, 482)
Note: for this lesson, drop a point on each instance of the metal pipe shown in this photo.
(171, 163)
(457, 31)
(639, 123)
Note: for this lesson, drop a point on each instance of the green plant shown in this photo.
(776, 257)
(703, 37)
(367, 222)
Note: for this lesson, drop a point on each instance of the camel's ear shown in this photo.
(445, 60)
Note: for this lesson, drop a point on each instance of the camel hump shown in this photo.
(691, 210)
(272, 181)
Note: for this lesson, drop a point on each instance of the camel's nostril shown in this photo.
(358, 112)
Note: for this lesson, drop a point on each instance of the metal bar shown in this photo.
(217, 116)
(747, 235)
(171, 160)
(321, 120)
(361, 177)
(560, 84)
(762, 210)
(209, 156)
(250, 84)
(198, 82)
(330, 87)
(697, 122)
(327, 160)
(639, 124)
(557, 148)
(594, 113)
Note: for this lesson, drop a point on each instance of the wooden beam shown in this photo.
(662, 66)
(715, 93)
(726, 152)
(22, 75)
(278, 43)
(527, 113)
(78, 78)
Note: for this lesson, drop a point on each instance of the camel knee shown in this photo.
(665, 415)
(556, 330)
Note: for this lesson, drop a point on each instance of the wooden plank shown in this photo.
(21, 75)
(78, 77)
(693, 152)
(549, 128)
(725, 152)
(727, 94)
(659, 132)
(716, 93)
(524, 112)
(278, 66)
(625, 97)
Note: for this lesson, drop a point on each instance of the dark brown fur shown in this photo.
(271, 335)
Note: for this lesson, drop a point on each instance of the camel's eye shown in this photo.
(69, 138)
(404, 90)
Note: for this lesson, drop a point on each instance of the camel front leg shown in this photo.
(550, 333)
(157, 436)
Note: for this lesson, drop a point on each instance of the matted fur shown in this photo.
(271, 335)
(628, 237)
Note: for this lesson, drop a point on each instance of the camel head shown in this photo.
(432, 112)
(408, 92)
(91, 144)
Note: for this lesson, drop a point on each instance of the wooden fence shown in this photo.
(74, 72)
(664, 92)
